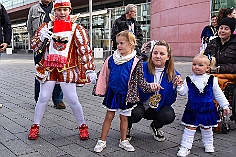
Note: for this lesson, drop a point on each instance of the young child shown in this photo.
(67, 59)
(200, 109)
(113, 83)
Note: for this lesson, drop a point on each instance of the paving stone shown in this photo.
(58, 136)
(7, 153)
(17, 146)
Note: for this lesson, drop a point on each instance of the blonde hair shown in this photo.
(169, 65)
(209, 60)
(129, 37)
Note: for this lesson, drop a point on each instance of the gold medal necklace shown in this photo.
(156, 98)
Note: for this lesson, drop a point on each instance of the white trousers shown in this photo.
(69, 91)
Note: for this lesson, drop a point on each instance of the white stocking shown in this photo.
(69, 91)
(44, 96)
(207, 137)
(187, 139)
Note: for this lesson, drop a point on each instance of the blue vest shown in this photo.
(119, 75)
(168, 94)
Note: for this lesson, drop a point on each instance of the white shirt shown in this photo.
(200, 82)
(157, 79)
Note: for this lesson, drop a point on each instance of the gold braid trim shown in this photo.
(67, 75)
(88, 53)
(80, 63)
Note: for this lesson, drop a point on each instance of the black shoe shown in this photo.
(59, 105)
(157, 133)
(129, 134)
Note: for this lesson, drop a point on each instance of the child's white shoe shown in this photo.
(100, 146)
(209, 149)
(183, 152)
(126, 145)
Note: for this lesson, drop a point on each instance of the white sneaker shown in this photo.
(79, 85)
(209, 149)
(183, 152)
(100, 146)
(126, 146)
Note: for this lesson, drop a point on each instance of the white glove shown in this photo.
(92, 76)
(45, 33)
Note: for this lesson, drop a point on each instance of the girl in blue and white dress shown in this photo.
(200, 109)
(113, 83)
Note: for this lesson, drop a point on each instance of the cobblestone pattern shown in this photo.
(58, 133)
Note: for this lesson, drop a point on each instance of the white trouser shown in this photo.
(69, 91)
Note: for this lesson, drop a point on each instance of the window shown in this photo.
(218, 4)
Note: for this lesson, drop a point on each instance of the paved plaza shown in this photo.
(58, 134)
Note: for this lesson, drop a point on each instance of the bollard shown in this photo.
(8, 50)
(98, 52)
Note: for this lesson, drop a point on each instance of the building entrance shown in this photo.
(20, 37)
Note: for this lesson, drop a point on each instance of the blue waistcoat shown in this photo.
(168, 94)
(119, 75)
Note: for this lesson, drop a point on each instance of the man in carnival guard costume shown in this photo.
(67, 59)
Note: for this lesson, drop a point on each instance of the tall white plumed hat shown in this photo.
(62, 3)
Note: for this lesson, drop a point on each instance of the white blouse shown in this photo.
(200, 82)
(157, 79)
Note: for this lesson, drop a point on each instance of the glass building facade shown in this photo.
(100, 32)
(100, 24)
(218, 4)
(10, 4)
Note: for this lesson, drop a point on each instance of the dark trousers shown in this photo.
(164, 116)
(57, 94)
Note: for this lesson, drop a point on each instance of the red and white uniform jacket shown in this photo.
(67, 57)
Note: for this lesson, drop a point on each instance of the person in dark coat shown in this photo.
(5, 29)
(223, 48)
(38, 14)
(127, 22)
